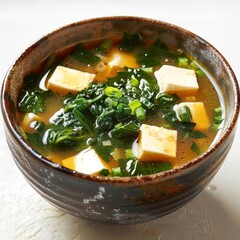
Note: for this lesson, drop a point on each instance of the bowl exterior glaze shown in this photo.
(114, 200)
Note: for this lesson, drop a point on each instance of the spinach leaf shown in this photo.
(104, 172)
(129, 41)
(85, 56)
(129, 130)
(105, 121)
(104, 46)
(195, 148)
(133, 167)
(155, 55)
(104, 151)
(56, 136)
(196, 134)
(166, 101)
(84, 122)
(185, 114)
(32, 101)
(152, 167)
(186, 126)
(144, 88)
(171, 119)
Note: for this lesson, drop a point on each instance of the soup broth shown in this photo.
(111, 108)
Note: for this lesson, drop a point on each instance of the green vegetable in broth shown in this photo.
(109, 116)
(84, 56)
(32, 101)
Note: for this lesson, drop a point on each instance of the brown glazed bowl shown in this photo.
(119, 200)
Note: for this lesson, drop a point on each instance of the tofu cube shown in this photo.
(121, 59)
(28, 120)
(87, 162)
(199, 114)
(66, 80)
(177, 80)
(118, 60)
(156, 143)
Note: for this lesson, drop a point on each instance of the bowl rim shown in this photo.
(134, 180)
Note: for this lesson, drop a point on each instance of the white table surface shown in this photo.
(212, 215)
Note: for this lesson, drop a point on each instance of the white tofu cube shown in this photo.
(177, 80)
(87, 162)
(66, 80)
(156, 143)
(198, 112)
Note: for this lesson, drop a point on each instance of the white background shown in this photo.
(214, 214)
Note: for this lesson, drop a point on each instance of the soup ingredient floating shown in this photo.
(156, 143)
(120, 108)
(177, 80)
(65, 80)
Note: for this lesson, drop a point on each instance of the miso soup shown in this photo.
(120, 107)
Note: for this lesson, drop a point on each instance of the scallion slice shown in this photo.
(140, 113)
(134, 82)
(113, 92)
(183, 62)
(217, 118)
(116, 172)
(134, 105)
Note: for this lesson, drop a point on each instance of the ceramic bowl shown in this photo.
(119, 200)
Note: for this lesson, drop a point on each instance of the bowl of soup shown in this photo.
(120, 119)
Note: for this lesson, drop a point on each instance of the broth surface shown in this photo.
(106, 52)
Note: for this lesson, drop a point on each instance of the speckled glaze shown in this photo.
(119, 200)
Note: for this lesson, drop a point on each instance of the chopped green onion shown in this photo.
(217, 111)
(110, 102)
(140, 113)
(167, 126)
(113, 92)
(129, 153)
(200, 73)
(193, 66)
(118, 125)
(215, 126)
(134, 82)
(185, 114)
(134, 105)
(183, 62)
(147, 69)
(120, 107)
(217, 118)
(117, 172)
